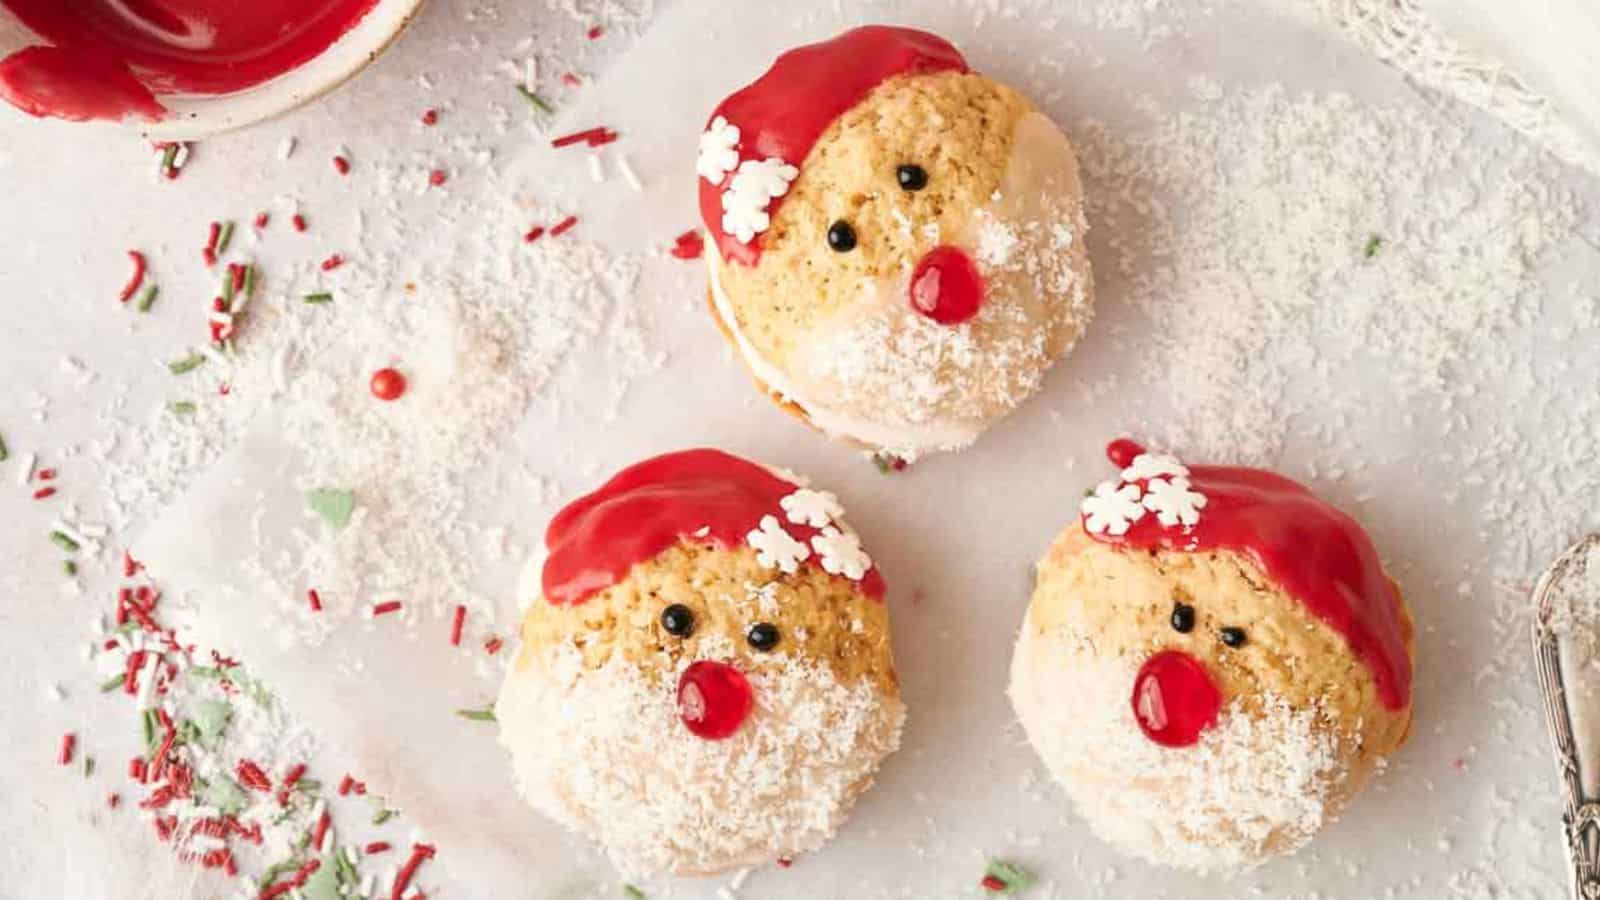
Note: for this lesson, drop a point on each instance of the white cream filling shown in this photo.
(907, 441)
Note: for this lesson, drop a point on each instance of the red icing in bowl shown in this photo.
(1315, 553)
(714, 699)
(693, 495)
(946, 286)
(167, 46)
(1174, 699)
(782, 113)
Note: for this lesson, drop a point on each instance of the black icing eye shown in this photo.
(1233, 637)
(1182, 618)
(762, 636)
(841, 237)
(912, 177)
(678, 620)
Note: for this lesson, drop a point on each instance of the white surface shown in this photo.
(956, 535)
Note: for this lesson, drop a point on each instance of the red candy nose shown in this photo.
(713, 699)
(1174, 699)
(946, 286)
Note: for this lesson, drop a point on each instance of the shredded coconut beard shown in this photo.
(1258, 784)
(604, 753)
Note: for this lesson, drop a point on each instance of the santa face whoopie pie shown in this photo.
(706, 681)
(1214, 662)
(898, 242)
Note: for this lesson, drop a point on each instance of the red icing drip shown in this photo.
(168, 46)
(693, 495)
(77, 86)
(1316, 553)
(1174, 699)
(946, 286)
(714, 699)
(782, 113)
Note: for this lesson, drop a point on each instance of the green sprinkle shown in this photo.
(334, 505)
(250, 280)
(111, 684)
(187, 364)
(88, 767)
(887, 463)
(1373, 244)
(276, 869)
(308, 786)
(168, 157)
(534, 100)
(632, 893)
(182, 408)
(64, 542)
(227, 287)
(343, 868)
(4, 453)
(150, 732)
(382, 816)
(149, 298)
(1012, 876)
(319, 297)
(207, 672)
(478, 715)
(128, 627)
(69, 568)
(224, 237)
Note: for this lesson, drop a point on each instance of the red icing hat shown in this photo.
(782, 114)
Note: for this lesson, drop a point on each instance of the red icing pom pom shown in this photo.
(714, 699)
(388, 384)
(946, 286)
(1174, 699)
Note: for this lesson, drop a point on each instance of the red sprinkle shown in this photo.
(342, 165)
(375, 847)
(689, 245)
(113, 801)
(419, 853)
(293, 776)
(130, 566)
(315, 599)
(251, 776)
(136, 768)
(533, 234)
(596, 32)
(570, 80)
(438, 177)
(44, 492)
(493, 645)
(47, 475)
(136, 279)
(332, 262)
(298, 221)
(209, 252)
(785, 862)
(68, 742)
(345, 784)
(323, 824)
(455, 625)
(387, 384)
(386, 607)
(430, 117)
(992, 884)
(594, 137)
(563, 226)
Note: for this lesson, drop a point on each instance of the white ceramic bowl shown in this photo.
(195, 116)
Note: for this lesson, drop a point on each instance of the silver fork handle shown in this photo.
(1580, 813)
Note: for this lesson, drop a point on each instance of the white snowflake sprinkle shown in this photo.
(814, 508)
(1173, 502)
(841, 553)
(777, 548)
(1112, 508)
(1154, 465)
(748, 196)
(719, 152)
